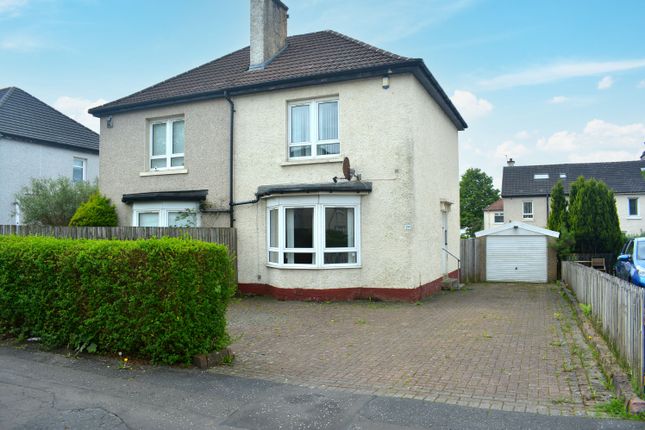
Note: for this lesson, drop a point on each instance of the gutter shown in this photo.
(231, 205)
(414, 66)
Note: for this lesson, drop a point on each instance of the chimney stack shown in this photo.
(510, 162)
(268, 31)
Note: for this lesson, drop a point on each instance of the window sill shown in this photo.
(528, 219)
(302, 267)
(311, 161)
(164, 172)
(634, 217)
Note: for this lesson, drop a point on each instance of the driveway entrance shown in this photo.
(494, 346)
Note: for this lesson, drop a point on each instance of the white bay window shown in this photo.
(313, 129)
(313, 232)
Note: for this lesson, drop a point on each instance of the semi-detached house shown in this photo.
(256, 139)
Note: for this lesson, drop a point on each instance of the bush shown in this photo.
(52, 201)
(160, 299)
(98, 211)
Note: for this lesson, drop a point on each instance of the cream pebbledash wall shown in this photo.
(513, 210)
(632, 225)
(396, 138)
(489, 219)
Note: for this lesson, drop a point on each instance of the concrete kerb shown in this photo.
(610, 367)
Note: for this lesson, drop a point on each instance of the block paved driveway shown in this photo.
(494, 346)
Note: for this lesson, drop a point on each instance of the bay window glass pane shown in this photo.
(328, 148)
(177, 161)
(340, 257)
(178, 137)
(150, 219)
(273, 257)
(158, 163)
(299, 258)
(273, 228)
(328, 121)
(158, 139)
(182, 219)
(299, 124)
(300, 151)
(339, 228)
(299, 227)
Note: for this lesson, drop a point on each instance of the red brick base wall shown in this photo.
(344, 294)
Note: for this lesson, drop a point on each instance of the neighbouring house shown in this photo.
(494, 214)
(526, 190)
(37, 141)
(257, 140)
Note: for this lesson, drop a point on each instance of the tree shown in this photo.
(52, 201)
(558, 219)
(593, 217)
(476, 191)
(98, 211)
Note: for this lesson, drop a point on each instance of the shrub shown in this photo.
(161, 299)
(98, 211)
(52, 201)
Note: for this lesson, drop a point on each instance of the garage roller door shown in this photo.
(516, 258)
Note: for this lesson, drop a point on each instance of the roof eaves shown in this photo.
(50, 143)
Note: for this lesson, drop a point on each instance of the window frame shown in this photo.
(313, 129)
(84, 167)
(495, 214)
(319, 249)
(163, 209)
(528, 215)
(168, 155)
(630, 215)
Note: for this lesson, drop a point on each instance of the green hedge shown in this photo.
(161, 299)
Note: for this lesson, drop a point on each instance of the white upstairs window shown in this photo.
(167, 144)
(527, 210)
(313, 129)
(79, 170)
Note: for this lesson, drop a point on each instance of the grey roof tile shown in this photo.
(23, 116)
(623, 177)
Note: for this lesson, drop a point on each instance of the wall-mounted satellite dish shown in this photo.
(348, 172)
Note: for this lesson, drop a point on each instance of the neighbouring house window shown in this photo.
(313, 232)
(165, 214)
(527, 210)
(167, 144)
(79, 170)
(499, 217)
(313, 129)
(633, 207)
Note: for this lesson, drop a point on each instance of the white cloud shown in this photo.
(598, 141)
(20, 43)
(556, 100)
(12, 7)
(641, 84)
(76, 108)
(470, 106)
(559, 71)
(511, 149)
(605, 83)
(522, 135)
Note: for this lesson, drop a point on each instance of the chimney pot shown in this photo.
(268, 31)
(510, 162)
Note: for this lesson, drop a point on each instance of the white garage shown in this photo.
(518, 252)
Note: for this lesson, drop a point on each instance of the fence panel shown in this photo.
(617, 306)
(472, 260)
(222, 235)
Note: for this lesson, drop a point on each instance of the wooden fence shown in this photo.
(223, 235)
(617, 306)
(473, 260)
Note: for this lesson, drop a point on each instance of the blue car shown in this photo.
(630, 265)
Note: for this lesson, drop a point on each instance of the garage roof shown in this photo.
(516, 224)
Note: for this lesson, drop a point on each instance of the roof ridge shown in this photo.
(573, 164)
(367, 45)
(6, 95)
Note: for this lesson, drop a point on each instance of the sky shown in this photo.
(542, 82)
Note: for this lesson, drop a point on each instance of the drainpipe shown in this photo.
(230, 161)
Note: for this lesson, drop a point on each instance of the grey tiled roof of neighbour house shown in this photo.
(307, 59)
(623, 177)
(24, 117)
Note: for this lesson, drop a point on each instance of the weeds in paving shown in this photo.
(360, 321)
(566, 367)
(561, 401)
(557, 343)
(586, 309)
(615, 408)
(486, 335)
